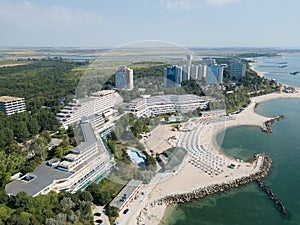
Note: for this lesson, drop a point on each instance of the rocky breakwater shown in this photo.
(277, 202)
(263, 170)
(212, 189)
(267, 126)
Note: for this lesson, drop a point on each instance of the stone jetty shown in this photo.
(267, 126)
(212, 189)
(277, 202)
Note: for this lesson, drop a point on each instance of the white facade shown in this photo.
(124, 78)
(100, 103)
(194, 72)
(202, 72)
(84, 164)
(11, 105)
(162, 104)
(86, 161)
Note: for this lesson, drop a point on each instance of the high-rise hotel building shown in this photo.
(237, 69)
(124, 78)
(11, 105)
(173, 76)
(215, 74)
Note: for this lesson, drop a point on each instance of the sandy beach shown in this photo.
(190, 177)
(193, 176)
(259, 73)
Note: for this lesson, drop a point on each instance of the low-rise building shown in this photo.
(11, 105)
(173, 159)
(126, 195)
(155, 105)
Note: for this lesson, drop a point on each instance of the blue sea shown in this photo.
(272, 67)
(248, 204)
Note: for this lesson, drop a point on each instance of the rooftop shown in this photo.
(9, 98)
(125, 193)
(175, 99)
(88, 136)
(43, 176)
(103, 92)
(174, 157)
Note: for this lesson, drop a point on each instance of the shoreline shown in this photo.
(259, 73)
(263, 162)
(188, 180)
(247, 117)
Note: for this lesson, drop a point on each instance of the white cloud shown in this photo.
(189, 4)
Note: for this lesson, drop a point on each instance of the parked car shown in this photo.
(125, 211)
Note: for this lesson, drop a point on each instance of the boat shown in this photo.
(294, 73)
(282, 66)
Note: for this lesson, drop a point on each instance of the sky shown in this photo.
(110, 23)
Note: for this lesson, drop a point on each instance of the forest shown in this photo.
(24, 137)
(50, 209)
(42, 83)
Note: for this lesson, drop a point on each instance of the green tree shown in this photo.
(4, 214)
(59, 152)
(40, 150)
(33, 126)
(66, 204)
(21, 131)
(85, 196)
(47, 120)
(3, 196)
(21, 199)
(6, 136)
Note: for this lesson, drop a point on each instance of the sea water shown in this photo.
(248, 204)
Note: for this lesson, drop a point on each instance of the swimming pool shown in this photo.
(136, 157)
(174, 119)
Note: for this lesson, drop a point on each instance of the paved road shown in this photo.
(138, 204)
(103, 217)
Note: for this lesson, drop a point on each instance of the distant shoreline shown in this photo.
(259, 73)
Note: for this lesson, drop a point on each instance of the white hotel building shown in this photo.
(155, 105)
(11, 105)
(97, 105)
(85, 163)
